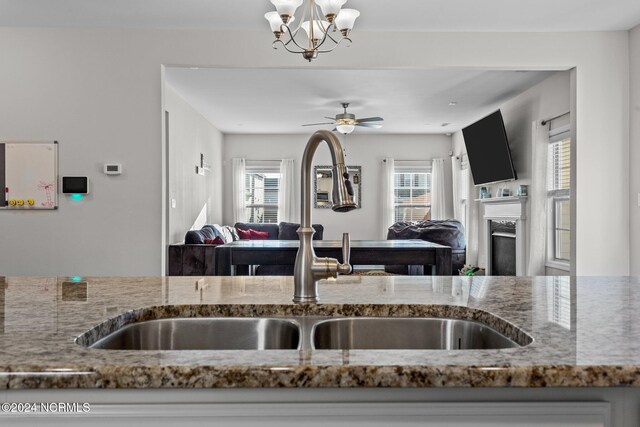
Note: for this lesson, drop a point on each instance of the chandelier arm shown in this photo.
(332, 39)
(324, 38)
(285, 46)
(288, 31)
(326, 30)
(338, 44)
(291, 39)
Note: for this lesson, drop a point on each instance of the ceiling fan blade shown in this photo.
(369, 125)
(370, 119)
(330, 118)
(318, 124)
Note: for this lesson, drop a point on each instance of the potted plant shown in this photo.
(471, 270)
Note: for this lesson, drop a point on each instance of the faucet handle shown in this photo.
(345, 267)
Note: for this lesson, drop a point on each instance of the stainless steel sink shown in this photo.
(205, 334)
(406, 333)
(303, 333)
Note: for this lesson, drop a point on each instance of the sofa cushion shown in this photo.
(289, 231)
(258, 235)
(272, 229)
(447, 232)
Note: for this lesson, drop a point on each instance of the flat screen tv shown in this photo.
(488, 150)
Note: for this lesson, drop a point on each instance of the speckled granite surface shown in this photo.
(585, 332)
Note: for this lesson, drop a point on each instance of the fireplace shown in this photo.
(505, 235)
(503, 248)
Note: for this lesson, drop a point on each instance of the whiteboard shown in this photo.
(30, 175)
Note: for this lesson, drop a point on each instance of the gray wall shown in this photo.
(189, 135)
(99, 92)
(547, 99)
(367, 151)
(634, 147)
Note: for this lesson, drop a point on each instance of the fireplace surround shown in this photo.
(505, 219)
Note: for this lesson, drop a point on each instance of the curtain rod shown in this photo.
(398, 160)
(544, 122)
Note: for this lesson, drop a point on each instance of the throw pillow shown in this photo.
(217, 241)
(233, 232)
(258, 235)
(244, 234)
(226, 235)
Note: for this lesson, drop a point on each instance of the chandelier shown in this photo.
(320, 19)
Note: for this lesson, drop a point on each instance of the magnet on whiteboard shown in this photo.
(20, 202)
(12, 202)
(31, 202)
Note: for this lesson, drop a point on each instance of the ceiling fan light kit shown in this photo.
(324, 18)
(345, 129)
(346, 122)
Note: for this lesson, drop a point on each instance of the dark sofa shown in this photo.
(282, 231)
(195, 258)
(448, 232)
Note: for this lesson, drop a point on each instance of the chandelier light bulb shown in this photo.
(274, 20)
(319, 28)
(330, 8)
(286, 8)
(345, 20)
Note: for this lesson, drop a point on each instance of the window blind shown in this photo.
(559, 162)
(262, 188)
(559, 189)
(412, 191)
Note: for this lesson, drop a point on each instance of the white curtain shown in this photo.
(388, 214)
(538, 199)
(286, 195)
(438, 203)
(456, 168)
(238, 201)
(472, 226)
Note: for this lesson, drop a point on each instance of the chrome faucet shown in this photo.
(309, 269)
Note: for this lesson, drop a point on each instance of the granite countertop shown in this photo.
(583, 330)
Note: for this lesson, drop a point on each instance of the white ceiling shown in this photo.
(281, 100)
(377, 15)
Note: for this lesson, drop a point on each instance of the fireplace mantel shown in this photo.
(507, 209)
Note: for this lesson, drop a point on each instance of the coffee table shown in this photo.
(235, 258)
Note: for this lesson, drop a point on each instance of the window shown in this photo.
(261, 189)
(464, 188)
(412, 193)
(559, 194)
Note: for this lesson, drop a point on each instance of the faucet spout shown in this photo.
(309, 269)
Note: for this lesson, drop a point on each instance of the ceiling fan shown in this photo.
(347, 122)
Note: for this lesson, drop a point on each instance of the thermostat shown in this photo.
(75, 185)
(112, 168)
